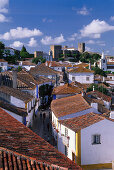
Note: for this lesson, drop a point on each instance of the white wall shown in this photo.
(99, 153)
(72, 144)
(4, 66)
(17, 102)
(81, 77)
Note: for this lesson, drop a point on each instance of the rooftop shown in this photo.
(16, 137)
(16, 93)
(98, 94)
(81, 122)
(78, 84)
(2, 60)
(66, 89)
(69, 105)
(80, 70)
(28, 63)
(43, 70)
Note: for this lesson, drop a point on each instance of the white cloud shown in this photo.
(3, 3)
(88, 49)
(83, 11)
(48, 40)
(95, 29)
(101, 43)
(3, 18)
(32, 43)
(73, 37)
(112, 18)
(20, 32)
(3, 10)
(16, 44)
(47, 20)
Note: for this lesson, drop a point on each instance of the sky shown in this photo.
(37, 24)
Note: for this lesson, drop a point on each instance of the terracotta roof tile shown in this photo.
(53, 64)
(16, 93)
(2, 60)
(43, 70)
(28, 63)
(98, 94)
(16, 137)
(12, 108)
(66, 89)
(80, 70)
(69, 105)
(82, 122)
(82, 86)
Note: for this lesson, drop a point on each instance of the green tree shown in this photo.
(96, 87)
(23, 53)
(38, 59)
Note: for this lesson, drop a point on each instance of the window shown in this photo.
(2, 64)
(66, 132)
(66, 151)
(111, 78)
(103, 61)
(87, 78)
(73, 78)
(96, 139)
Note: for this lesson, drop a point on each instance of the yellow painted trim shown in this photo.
(25, 105)
(98, 166)
(78, 147)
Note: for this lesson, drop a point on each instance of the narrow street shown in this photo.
(42, 126)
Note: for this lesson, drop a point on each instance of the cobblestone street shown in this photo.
(42, 126)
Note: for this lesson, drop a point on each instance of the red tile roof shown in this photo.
(66, 89)
(18, 138)
(81, 122)
(80, 70)
(53, 64)
(98, 94)
(15, 161)
(69, 105)
(2, 60)
(16, 93)
(43, 70)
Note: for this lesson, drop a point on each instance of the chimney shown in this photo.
(93, 88)
(46, 63)
(89, 65)
(94, 105)
(14, 78)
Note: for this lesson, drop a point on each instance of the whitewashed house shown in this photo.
(27, 65)
(98, 95)
(88, 140)
(82, 75)
(3, 65)
(65, 91)
(70, 107)
(20, 100)
(45, 71)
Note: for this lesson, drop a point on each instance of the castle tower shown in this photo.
(103, 62)
(81, 47)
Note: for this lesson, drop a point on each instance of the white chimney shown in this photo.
(112, 114)
(89, 65)
(93, 88)
(94, 105)
(46, 63)
(50, 64)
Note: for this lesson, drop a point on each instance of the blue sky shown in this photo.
(39, 23)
